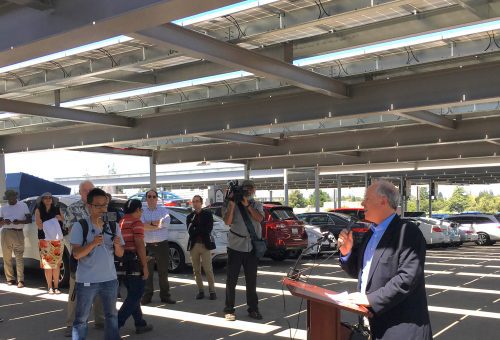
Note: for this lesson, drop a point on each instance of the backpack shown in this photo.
(73, 263)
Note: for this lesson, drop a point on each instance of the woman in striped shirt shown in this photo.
(135, 266)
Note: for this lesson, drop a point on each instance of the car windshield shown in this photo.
(283, 214)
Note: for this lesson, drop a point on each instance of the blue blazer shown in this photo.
(396, 283)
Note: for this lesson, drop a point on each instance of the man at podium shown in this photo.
(389, 265)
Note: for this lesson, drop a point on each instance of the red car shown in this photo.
(284, 232)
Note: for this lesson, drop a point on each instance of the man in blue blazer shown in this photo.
(389, 265)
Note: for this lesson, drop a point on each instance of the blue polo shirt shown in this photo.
(98, 265)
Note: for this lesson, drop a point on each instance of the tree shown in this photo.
(323, 197)
(297, 200)
(459, 200)
(486, 202)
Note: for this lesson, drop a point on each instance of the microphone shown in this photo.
(294, 273)
(350, 224)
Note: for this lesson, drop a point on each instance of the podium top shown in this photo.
(320, 295)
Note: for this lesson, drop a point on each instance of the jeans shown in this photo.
(132, 304)
(235, 259)
(85, 297)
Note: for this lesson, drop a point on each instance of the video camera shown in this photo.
(109, 217)
(235, 191)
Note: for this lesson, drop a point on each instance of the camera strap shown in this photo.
(248, 223)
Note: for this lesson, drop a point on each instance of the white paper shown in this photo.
(340, 297)
(52, 230)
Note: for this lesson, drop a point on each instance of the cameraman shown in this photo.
(239, 250)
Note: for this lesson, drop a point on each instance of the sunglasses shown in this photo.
(152, 196)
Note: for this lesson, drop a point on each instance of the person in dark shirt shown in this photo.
(200, 224)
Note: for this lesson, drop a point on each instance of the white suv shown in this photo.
(485, 225)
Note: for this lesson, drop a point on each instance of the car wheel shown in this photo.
(483, 239)
(64, 273)
(176, 261)
(278, 256)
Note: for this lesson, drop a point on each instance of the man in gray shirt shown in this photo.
(239, 250)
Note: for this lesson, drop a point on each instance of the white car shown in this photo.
(328, 246)
(486, 226)
(178, 239)
(433, 233)
(451, 236)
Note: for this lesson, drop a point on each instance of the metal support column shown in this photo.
(366, 181)
(285, 185)
(316, 188)
(339, 191)
(246, 171)
(402, 193)
(3, 186)
(418, 199)
(430, 198)
(152, 171)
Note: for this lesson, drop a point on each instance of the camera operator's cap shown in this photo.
(10, 193)
(248, 183)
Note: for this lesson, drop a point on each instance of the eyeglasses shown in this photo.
(152, 196)
(99, 205)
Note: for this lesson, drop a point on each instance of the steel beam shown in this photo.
(434, 90)
(77, 22)
(430, 118)
(242, 138)
(205, 47)
(345, 144)
(439, 152)
(120, 151)
(79, 116)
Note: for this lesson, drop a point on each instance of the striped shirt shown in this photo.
(152, 215)
(131, 228)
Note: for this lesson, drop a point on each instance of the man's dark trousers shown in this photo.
(160, 252)
(249, 261)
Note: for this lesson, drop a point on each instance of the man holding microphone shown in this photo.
(389, 265)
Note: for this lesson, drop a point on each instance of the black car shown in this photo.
(334, 223)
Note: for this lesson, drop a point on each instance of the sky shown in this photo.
(66, 164)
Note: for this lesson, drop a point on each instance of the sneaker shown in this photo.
(57, 291)
(255, 315)
(143, 329)
(213, 296)
(169, 301)
(51, 291)
(67, 331)
(230, 317)
(20, 284)
(11, 282)
(200, 295)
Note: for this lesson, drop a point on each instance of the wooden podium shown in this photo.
(323, 313)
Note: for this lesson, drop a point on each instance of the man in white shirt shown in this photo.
(13, 217)
(156, 218)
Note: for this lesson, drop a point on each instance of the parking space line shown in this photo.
(293, 333)
(465, 312)
(238, 287)
(295, 314)
(453, 264)
(477, 274)
(464, 289)
(12, 304)
(318, 277)
(463, 258)
(445, 329)
(37, 314)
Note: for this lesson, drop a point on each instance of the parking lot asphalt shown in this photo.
(463, 288)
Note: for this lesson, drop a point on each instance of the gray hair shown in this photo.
(387, 189)
(87, 181)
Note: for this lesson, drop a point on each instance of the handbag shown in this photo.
(357, 331)
(258, 244)
(41, 234)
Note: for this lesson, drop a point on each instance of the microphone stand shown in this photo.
(294, 273)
